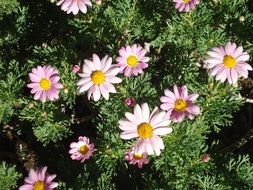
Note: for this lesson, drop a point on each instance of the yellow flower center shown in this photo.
(132, 61)
(97, 77)
(137, 156)
(180, 105)
(229, 61)
(145, 130)
(39, 185)
(84, 149)
(45, 84)
(186, 1)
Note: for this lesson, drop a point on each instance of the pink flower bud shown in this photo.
(76, 68)
(98, 2)
(205, 158)
(130, 102)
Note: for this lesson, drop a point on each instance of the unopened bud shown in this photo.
(242, 19)
(44, 45)
(66, 91)
(30, 105)
(98, 2)
(130, 102)
(76, 68)
(205, 158)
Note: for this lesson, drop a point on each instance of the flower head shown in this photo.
(228, 62)
(74, 5)
(131, 102)
(136, 158)
(179, 104)
(81, 150)
(132, 60)
(185, 5)
(39, 180)
(146, 127)
(45, 83)
(97, 77)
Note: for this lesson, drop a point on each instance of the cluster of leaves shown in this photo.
(8, 176)
(7, 7)
(39, 33)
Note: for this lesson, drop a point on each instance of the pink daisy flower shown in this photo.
(74, 5)
(179, 104)
(146, 127)
(39, 180)
(132, 60)
(97, 77)
(136, 158)
(82, 150)
(45, 83)
(185, 5)
(228, 62)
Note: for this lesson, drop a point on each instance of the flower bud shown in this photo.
(205, 158)
(242, 19)
(98, 2)
(130, 102)
(76, 68)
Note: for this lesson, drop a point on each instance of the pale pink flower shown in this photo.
(76, 68)
(179, 104)
(136, 158)
(39, 180)
(146, 127)
(132, 60)
(131, 102)
(74, 5)
(185, 5)
(228, 62)
(97, 77)
(45, 83)
(81, 150)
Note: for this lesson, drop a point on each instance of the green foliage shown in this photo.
(218, 98)
(49, 121)
(7, 7)
(235, 173)
(8, 176)
(11, 83)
